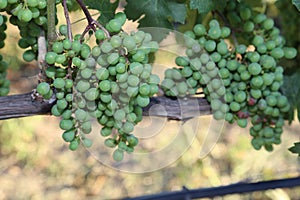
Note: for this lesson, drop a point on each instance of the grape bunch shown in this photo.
(110, 81)
(240, 82)
(30, 17)
(4, 83)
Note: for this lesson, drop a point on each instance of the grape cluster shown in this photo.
(111, 81)
(241, 82)
(4, 83)
(30, 18)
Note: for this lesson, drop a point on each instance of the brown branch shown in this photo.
(23, 105)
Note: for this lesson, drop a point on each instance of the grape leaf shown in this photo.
(203, 6)
(106, 8)
(157, 13)
(291, 89)
(295, 148)
(297, 4)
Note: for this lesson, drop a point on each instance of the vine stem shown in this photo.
(66, 12)
(91, 21)
(51, 14)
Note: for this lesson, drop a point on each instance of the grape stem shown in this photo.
(66, 12)
(91, 22)
(228, 24)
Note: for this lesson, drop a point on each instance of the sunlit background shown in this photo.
(35, 162)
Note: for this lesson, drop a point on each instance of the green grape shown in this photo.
(234, 106)
(105, 131)
(232, 65)
(129, 43)
(86, 73)
(3, 4)
(268, 24)
(118, 155)
(133, 80)
(73, 145)
(100, 35)
(76, 46)
(254, 68)
(257, 40)
(142, 101)
(91, 94)
(119, 115)
(248, 26)
(114, 25)
(240, 96)
(121, 17)
(210, 45)
(59, 83)
(29, 55)
(63, 29)
(87, 142)
(43, 88)
(105, 97)
(25, 15)
(66, 124)
(109, 142)
(242, 123)
(259, 18)
(57, 47)
(222, 47)
(225, 32)
(69, 135)
(289, 52)
(50, 57)
(62, 104)
(82, 86)
(277, 53)
(245, 13)
(136, 68)
(255, 93)
(105, 85)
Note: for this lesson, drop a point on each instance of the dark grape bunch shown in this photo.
(240, 82)
(4, 83)
(110, 81)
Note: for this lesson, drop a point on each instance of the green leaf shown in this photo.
(106, 8)
(291, 89)
(295, 148)
(157, 13)
(203, 6)
(297, 4)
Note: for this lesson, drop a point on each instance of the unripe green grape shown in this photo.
(76, 46)
(222, 47)
(55, 111)
(234, 106)
(105, 97)
(257, 82)
(248, 26)
(232, 65)
(218, 115)
(277, 53)
(289, 52)
(253, 56)
(113, 58)
(119, 115)
(127, 127)
(61, 104)
(25, 15)
(199, 30)
(182, 88)
(241, 49)
(254, 69)
(114, 25)
(59, 83)
(66, 124)
(257, 40)
(57, 47)
(225, 32)
(210, 45)
(139, 56)
(118, 155)
(50, 57)
(259, 18)
(100, 35)
(255, 93)
(82, 86)
(245, 13)
(133, 80)
(43, 88)
(74, 145)
(268, 78)
(69, 135)
(116, 41)
(60, 59)
(102, 74)
(267, 62)
(129, 43)
(240, 96)
(136, 68)
(3, 4)
(60, 95)
(271, 100)
(186, 71)
(142, 101)
(91, 94)
(29, 55)
(87, 142)
(268, 24)
(242, 123)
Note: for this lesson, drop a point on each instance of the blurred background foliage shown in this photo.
(35, 162)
